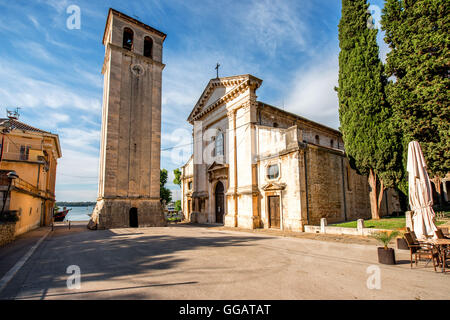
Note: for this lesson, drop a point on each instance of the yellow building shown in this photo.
(33, 154)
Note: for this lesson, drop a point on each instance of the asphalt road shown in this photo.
(187, 262)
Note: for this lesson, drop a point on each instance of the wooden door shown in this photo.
(220, 197)
(274, 212)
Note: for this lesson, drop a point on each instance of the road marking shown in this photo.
(12, 272)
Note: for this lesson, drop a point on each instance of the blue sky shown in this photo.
(54, 74)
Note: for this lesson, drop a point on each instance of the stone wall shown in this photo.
(335, 191)
(7, 232)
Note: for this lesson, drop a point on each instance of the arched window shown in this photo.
(219, 144)
(148, 46)
(128, 39)
(317, 139)
(275, 125)
(332, 143)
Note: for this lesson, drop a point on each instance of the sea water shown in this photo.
(79, 213)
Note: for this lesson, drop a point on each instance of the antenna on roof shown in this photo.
(14, 114)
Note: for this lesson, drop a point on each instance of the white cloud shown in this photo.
(59, 5)
(34, 21)
(77, 168)
(17, 88)
(87, 140)
(34, 49)
(312, 93)
(272, 24)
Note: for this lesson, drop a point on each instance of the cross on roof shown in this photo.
(217, 68)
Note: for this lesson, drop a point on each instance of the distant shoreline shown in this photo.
(75, 204)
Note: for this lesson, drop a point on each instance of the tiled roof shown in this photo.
(20, 125)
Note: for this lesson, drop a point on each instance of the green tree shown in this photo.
(177, 179)
(165, 193)
(178, 205)
(417, 33)
(365, 116)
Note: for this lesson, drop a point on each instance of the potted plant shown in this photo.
(401, 242)
(386, 255)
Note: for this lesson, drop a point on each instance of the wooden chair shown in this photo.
(440, 234)
(414, 238)
(420, 251)
(446, 248)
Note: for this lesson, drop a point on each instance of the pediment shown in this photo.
(219, 90)
(217, 166)
(274, 186)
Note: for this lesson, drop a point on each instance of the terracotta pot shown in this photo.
(386, 256)
(402, 244)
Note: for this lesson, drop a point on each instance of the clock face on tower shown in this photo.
(137, 69)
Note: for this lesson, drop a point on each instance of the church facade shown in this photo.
(257, 166)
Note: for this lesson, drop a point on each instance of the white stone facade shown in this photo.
(310, 177)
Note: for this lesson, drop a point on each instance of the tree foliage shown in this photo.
(177, 179)
(165, 194)
(365, 116)
(178, 205)
(418, 34)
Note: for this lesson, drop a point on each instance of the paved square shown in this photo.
(188, 262)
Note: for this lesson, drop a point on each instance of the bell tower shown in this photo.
(129, 176)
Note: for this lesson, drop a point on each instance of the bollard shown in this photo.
(323, 224)
(360, 226)
(69, 224)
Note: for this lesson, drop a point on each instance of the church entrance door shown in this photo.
(220, 197)
(134, 218)
(274, 212)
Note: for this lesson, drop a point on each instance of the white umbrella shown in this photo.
(420, 193)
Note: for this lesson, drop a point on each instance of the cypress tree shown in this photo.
(364, 114)
(418, 34)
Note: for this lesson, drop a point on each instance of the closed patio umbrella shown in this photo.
(420, 193)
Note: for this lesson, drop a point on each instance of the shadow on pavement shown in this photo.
(108, 255)
(106, 290)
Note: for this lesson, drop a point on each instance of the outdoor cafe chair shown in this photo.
(421, 251)
(414, 238)
(440, 234)
(446, 251)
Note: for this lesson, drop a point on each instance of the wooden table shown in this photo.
(440, 245)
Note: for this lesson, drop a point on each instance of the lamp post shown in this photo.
(12, 175)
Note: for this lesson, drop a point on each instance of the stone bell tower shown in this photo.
(129, 177)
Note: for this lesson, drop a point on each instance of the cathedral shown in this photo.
(257, 166)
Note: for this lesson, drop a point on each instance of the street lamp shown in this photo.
(12, 175)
